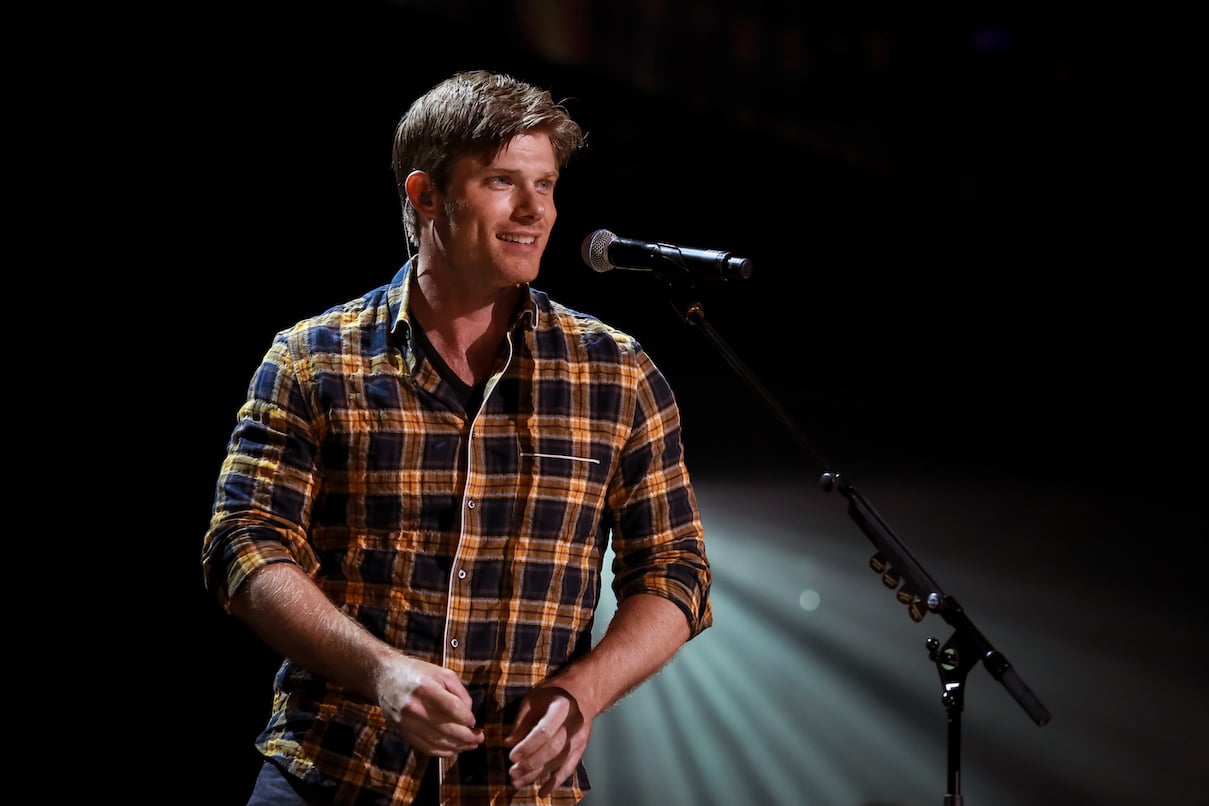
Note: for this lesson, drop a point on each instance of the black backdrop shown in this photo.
(961, 221)
(958, 219)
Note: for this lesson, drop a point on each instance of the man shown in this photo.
(421, 486)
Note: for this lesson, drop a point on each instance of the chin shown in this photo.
(526, 273)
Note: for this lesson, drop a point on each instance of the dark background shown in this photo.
(959, 216)
(964, 221)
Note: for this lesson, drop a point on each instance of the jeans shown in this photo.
(274, 787)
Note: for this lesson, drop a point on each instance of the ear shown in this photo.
(420, 191)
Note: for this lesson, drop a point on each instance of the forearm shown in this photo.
(644, 634)
(288, 611)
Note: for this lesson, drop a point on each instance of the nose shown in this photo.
(531, 203)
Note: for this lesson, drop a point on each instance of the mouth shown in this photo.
(526, 240)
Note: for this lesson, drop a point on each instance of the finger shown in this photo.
(451, 708)
(538, 760)
(561, 774)
(453, 685)
(437, 704)
(520, 727)
(522, 775)
(440, 721)
(456, 742)
(445, 740)
(541, 732)
(549, 786)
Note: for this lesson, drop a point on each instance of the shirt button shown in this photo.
(462, 573)
(454, 643)
(470, 504)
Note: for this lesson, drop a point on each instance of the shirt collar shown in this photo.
(398, 297)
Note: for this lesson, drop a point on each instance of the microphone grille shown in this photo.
(595, 248)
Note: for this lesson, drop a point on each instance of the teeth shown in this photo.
(517, 239)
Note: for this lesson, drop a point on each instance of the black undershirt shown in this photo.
(469, 397)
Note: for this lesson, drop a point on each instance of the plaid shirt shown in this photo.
(470, 540)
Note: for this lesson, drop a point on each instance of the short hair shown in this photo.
(474, 113)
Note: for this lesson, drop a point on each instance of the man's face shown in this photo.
(497, 216)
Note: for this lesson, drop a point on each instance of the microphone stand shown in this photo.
(967, 645)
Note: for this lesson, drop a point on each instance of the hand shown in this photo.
(548, 739)
(428, 705)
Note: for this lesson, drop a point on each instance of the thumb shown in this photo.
(520, 727)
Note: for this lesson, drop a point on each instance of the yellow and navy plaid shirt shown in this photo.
(474, 540)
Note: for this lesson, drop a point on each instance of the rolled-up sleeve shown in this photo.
(266, 485)
(658, 539)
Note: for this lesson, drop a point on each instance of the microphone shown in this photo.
(604, 251)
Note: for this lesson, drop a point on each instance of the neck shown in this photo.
(466, 330)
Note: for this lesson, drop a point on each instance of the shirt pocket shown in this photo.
(564, 479)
